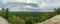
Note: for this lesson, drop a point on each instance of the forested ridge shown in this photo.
(27, 17)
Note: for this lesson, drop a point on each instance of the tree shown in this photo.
(3, 12)
(16, 20)
(7, 12)
(57, 11)
(3, 9)
(29, 20)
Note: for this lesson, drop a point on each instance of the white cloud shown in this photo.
(6, 1)
(56, 4)
(27, 6)
(31, 1)
(27, 1)
(42, 3)
(53, 3)
(15, 8)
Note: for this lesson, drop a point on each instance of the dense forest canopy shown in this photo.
(27, 17)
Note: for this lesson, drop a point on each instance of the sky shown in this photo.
(43, 5)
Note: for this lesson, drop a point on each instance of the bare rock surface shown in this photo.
(3, 21)
(53, 20)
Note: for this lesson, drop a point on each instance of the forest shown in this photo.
(27, 17)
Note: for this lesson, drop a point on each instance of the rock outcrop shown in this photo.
(3, 21)
(53, 20)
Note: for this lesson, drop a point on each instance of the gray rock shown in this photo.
(3, 21)
(53, 20)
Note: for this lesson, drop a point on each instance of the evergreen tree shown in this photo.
(57, 11)
(7, 12)
(3, 12)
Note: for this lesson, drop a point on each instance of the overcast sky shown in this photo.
(43, 4)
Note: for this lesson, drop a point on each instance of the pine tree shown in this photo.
(3, 12)
(57, 11)
(7, 12)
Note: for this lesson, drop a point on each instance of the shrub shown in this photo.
(16, 20)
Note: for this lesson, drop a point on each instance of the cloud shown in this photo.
(27, 1)
(43, 4)
(48, 3)
(6, 1)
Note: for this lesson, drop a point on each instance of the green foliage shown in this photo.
(29, 20)
(27, 17)
(5, 13)
(33, 17)
(16, 20)
(57, 11)
(44, 17)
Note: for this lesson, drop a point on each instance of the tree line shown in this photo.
(27, 17)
